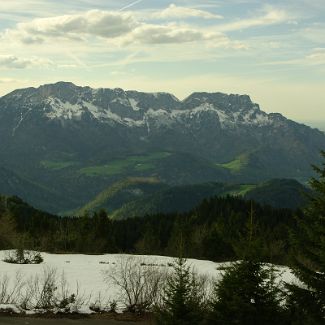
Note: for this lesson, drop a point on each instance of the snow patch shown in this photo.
(85, 273)
(134, 104)
(10, 308)
(64, 110)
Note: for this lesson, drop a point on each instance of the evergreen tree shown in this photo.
(8, 234)
(149, 243)
(182, 298)
(307, 303)
(247, 293)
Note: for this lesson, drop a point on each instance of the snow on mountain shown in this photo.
(65, 101)
(211, 137)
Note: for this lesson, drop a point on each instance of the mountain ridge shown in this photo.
(79, 140)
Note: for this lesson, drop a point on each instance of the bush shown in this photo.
(40, 292)
(139, 285)
(21, 256)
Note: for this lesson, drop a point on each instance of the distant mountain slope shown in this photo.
(139, 197)
(78, 141)
(121, 192)
(43, 197)
(280, 193)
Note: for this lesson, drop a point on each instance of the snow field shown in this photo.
(85, 274)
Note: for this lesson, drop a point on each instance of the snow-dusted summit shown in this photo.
(78, 140)
(65, 101)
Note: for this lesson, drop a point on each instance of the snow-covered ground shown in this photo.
(85, 273)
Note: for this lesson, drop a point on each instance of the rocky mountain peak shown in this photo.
(222, 101)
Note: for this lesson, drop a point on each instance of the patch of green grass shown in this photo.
(56, 165)
(115, 167)
(241, 190)
(144, 167)
(148, 158)
(136, 163)
(108, 193)
(237, 164)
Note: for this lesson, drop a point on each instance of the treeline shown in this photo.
(214, 230)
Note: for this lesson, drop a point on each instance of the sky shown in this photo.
(273, 50)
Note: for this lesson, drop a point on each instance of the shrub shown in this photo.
(21, 256)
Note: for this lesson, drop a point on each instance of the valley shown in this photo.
(77, 142)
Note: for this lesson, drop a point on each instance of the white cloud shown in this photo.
(314, 33)
(317, 56)
(121, 28)
(14, 62)
(170, 34)
(105, 24)
(272, 16)
(6, 80)
(175, 12)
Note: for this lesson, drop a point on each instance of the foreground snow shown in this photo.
(84, 274)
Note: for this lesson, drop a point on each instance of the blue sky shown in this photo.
(272, 50)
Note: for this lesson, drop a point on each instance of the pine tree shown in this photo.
(307, 303)
(182, 298)
(247, 293)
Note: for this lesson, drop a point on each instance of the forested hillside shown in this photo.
(136, 197)
(213, 230)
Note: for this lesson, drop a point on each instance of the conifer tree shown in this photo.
(181, 299)
(307, 302)
(247, 293)
(182, 295)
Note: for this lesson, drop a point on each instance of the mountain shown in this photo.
(14, 184)
(77, 141)
(144, 196)
(280, 193)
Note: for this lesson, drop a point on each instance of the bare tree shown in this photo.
(139, 283)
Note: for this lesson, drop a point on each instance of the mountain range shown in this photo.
(62, 145)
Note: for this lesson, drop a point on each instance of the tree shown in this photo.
(8, 234)
(139, 284)
(149, 242)
(247, 293)
(307, 303)
(181, 303)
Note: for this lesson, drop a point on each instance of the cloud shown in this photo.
(317, 56)
(314, 33)
(272, 16)
(7, 80)
(13, 62)
(170, 34)
(105, 24)
(121, 28)
(174, 12)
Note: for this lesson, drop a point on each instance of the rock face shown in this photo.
(227, 134)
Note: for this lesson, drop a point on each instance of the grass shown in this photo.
(242, 190)
(108, 193)
(239, 189)
(136, 163)
(56, 165)
(236, 165)
(144, 167)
